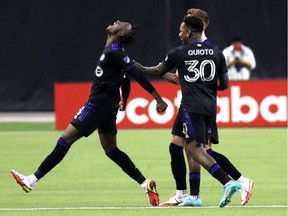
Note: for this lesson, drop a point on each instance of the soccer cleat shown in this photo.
(173, 201)
(229, 190)
(151, 192)
(246, 190)
(22, 180)
(193, 201)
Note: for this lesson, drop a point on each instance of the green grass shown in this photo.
(88, 183)
(27, 126)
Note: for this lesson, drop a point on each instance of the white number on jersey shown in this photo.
(98, 71)
(199, 70)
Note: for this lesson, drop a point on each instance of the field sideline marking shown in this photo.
(134, 208)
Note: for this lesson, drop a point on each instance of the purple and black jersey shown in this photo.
(199, 65)
(108, 74)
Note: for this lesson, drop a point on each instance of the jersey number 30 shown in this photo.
(198, 70)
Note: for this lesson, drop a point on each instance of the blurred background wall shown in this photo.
(48, 41)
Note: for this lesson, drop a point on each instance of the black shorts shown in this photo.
(213, 133)
(91, 117)
(193, 126)
(177, 128)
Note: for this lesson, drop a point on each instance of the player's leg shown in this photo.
(199, 154)
(107, 136)
(229, 168)
(246, 183)
(194, 181)
(70, 135)
(225, 163)
(83, 124)
(222, 160)
(178, 165)
(196, 128)
(178, 168)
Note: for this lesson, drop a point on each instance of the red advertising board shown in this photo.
(255, 103)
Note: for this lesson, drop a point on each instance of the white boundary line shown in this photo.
(27, 117)
(135, 208)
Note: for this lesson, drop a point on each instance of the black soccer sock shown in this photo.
(53, 159)
(225, 164)
(217, 172)
(123, 161)
(178, 166)
(194, 180)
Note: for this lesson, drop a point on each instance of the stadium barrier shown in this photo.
(255, 103)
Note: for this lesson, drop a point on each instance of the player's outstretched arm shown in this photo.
(159, 69)
(145, 84)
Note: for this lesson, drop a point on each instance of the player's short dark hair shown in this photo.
(130, 37)
(193, 22)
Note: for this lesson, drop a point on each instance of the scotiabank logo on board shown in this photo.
(260, 103)
(240, 109)
(244, 104)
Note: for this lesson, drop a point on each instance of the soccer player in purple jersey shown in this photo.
(100, 111)
(202, 71)
(178, 165)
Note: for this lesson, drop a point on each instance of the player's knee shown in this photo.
(111, 152)
(177, 140)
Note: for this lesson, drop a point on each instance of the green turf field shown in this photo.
(88, 183)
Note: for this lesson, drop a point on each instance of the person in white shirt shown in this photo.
(240, 60)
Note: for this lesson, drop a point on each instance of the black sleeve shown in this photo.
(125, 87)
(141, 79)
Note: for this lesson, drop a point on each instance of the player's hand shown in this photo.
(122, 105)
(161, 105)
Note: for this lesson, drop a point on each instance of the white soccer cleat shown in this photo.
(193, 201)
(246, 190)
(23, 181)
(173, 201)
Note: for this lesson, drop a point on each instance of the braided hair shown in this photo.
(129, 37)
